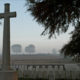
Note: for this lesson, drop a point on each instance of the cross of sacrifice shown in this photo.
(6, 36)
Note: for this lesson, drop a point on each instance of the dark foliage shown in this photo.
(56, 16)
(73, 47)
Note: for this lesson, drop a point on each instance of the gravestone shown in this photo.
(51, 75)
(56, 68)
(61, 68)
(7, 73)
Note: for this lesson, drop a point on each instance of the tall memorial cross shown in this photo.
(6, 37)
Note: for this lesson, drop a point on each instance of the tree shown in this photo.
(56, 16)
(73, 47)
(30, 49)
(54, 51)
(16, 48)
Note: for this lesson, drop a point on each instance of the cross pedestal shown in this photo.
(7, 73)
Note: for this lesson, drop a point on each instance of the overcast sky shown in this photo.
(25, 30)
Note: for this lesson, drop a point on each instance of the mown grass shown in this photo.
(31, 79)
(42, 79)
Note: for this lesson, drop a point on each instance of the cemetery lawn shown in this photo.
(42, 79)
(31, 79)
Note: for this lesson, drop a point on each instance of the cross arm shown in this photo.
(1, 15)
(12, 14)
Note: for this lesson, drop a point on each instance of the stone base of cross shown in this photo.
(6, 73)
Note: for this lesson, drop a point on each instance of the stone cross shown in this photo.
(6, 37)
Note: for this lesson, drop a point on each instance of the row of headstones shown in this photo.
(50, 74)
(38, 67)
(36, 74)
(45, 71)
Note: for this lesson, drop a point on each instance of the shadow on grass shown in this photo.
(31, 79)
(42, 79)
